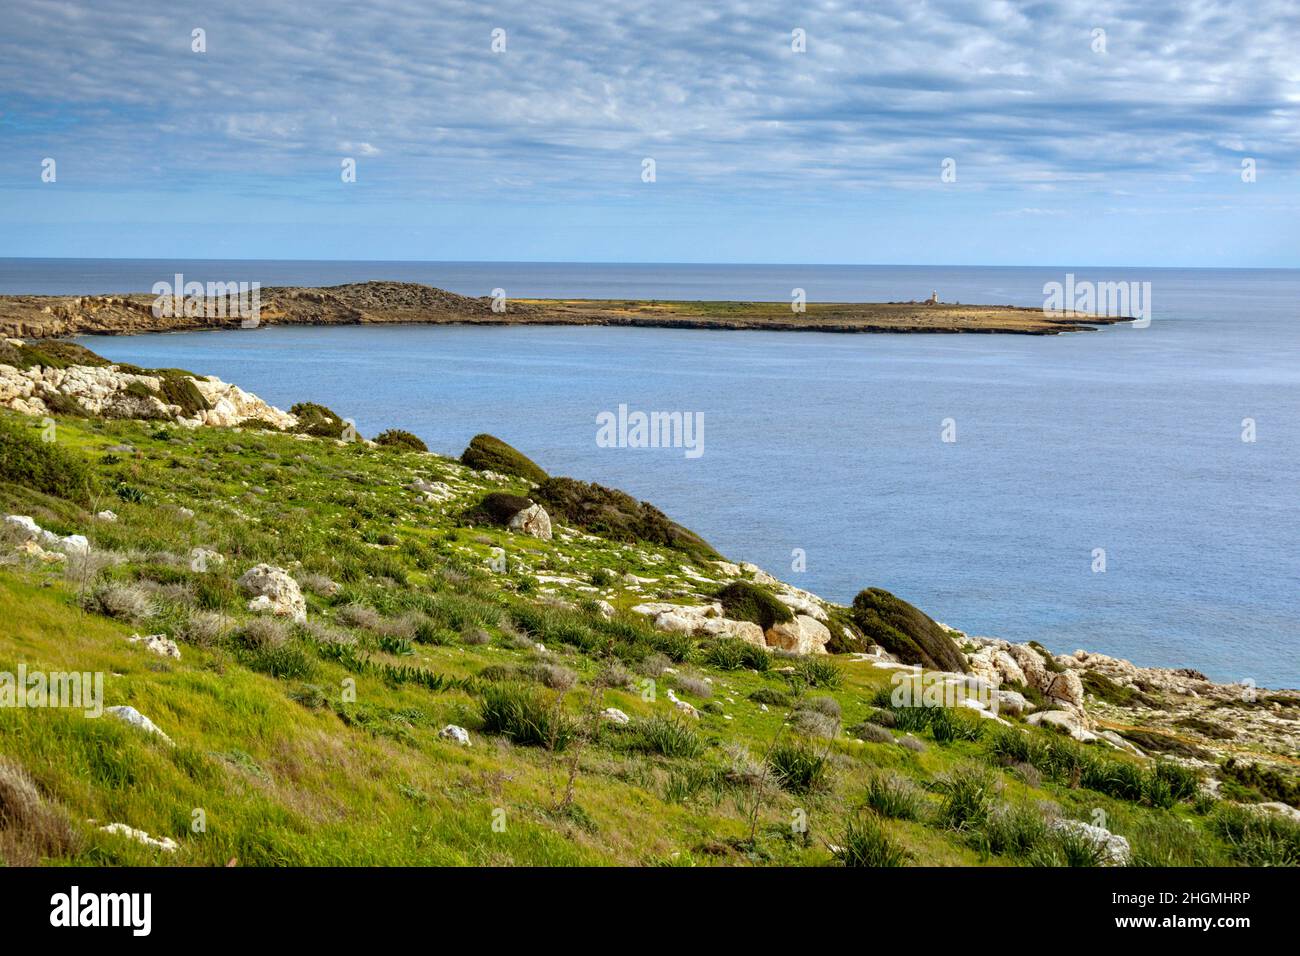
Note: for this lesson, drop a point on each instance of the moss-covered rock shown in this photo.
(905, 631)
(744, 601)
(614, 514)
(488, 453)
(400, 439)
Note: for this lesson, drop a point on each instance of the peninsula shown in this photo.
(38, 316)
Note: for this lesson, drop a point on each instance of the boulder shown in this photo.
(166, 844)
(159, 644)
(1066, 720)
(533, 521)
(803, 635)
(136, 719)
(274, 592)
(457, 735)
(614, 715)
(1067, 688)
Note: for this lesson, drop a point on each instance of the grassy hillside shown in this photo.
(319, 743)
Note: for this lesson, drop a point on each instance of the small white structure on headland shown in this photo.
(934, 298)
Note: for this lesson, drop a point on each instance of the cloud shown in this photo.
(713, 92)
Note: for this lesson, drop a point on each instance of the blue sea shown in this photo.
(1128, 440)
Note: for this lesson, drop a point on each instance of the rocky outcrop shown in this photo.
(803, 635)
(274, 592)
(109, 391)
(29, 531)
(532, 521)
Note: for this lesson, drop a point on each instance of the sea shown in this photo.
(1132, 491)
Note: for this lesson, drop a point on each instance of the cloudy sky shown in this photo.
(1069, 145)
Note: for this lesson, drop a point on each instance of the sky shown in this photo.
(1092, 133)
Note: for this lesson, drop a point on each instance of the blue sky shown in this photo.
(1064, 153)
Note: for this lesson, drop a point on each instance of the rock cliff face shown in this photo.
(109, 391)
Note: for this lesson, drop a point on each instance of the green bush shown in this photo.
(906, 632)
(666, 737)
(893, 796)
(400, 439)
(178, 388)
(798, 768)
(865, 843)
(1257, 838)
(499, 507)
(314, 419)
(818, 672)
(968, 798)
(44, 466)
(744, 601)
(731, 654)
(488, 453)
(522, 714)
(613, 514)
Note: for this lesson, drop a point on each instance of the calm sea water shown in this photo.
(1128, 439)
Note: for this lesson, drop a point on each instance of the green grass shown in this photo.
(319, 744)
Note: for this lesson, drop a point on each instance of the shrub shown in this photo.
(614, 675)
(520, 713)
(905, 631)
(616, 515)
(554, 676)
(178, 388)
(731, 654)
(798, 768)
(127, 602)
(968, 798)
(872, 734)
(667, 737)
(893, 796)
(694, 686)
(487, 453)
(400, 439)
(475, 636)
(865, 843)
(811, 723)
(818, 672)
(205, 628)
(771, 696)
(263, 632)
(314, 419)
(499, 507)
(1257, 838)
(744, 601)
(1017, 830)
(284, 661)
(44, 466)
(31, 830)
